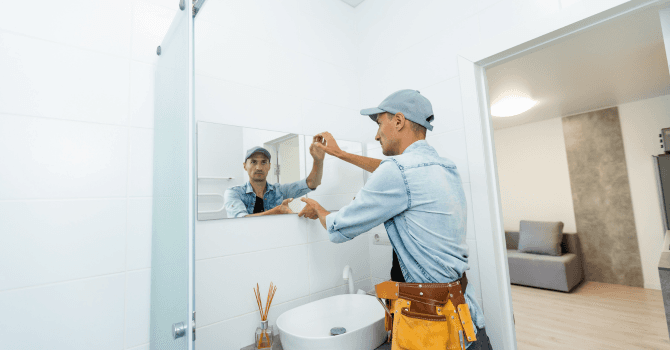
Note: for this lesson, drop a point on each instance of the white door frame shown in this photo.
(472, 64)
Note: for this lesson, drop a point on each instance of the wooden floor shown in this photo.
(593, 316)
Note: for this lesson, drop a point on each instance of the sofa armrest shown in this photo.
(512, 239)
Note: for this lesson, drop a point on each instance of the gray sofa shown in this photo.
(560, 273)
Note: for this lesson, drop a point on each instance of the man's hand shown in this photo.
(309, 212)
(284, 208)
(318, 153)
(316, 208)
(327, 143)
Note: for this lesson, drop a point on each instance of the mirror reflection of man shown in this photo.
(419, 198)
(257, 197)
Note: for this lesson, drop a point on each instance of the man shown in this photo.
(257, 197)
(416, 194)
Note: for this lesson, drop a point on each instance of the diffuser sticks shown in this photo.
(264, 332)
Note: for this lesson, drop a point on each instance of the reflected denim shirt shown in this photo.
(420, 199)
(240, 200)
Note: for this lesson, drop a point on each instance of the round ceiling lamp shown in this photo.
(513, 103)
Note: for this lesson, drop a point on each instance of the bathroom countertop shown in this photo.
(277, 346)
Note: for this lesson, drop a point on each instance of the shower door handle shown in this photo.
(178, 330)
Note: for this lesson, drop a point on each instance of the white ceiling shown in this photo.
(612, 64)
(353, 3)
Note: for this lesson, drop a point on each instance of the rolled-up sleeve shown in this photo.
(294, 189)
(235, 208)
(383, 197)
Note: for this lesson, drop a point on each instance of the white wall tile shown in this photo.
(51, 241)
(451, 145)
(342, 123)
(61, 159)
(138, 300)
(224, 102)
(217, 238)
(138, 241)
(336, 13)
(150, 24)
(48, 317)
(102, 26)
(473, 263)
(223, 285)
(142, 77)
(470, 230)
(445, 97)
(140, 172)
(327, 83)
(498, 18)
(315, 231)
(381, 258)
(238, 332)
(340, 49)
(407, 70)
(41, 78)
(241, 58)
(327, 261)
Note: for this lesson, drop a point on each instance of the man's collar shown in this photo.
(250, 189)
(416, 145)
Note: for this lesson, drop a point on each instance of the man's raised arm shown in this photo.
(327, 143)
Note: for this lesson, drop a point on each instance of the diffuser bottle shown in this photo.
(264, 336)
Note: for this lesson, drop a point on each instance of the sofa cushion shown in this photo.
(544, 271)
(540, 237)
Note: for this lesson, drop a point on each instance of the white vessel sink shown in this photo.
(307, 327)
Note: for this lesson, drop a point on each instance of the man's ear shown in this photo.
(400, 121)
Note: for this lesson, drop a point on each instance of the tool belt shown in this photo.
(426, 316)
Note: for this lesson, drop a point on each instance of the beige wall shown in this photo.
(533, 174)
(532, 164)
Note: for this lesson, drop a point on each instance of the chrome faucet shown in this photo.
(348, 274)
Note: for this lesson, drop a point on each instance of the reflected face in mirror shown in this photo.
(257, 166)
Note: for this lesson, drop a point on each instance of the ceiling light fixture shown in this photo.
(513, 104)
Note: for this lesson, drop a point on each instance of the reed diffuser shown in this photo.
(264, 334)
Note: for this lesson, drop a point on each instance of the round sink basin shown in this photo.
(308, 327)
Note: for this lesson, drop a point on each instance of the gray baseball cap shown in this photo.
(410, 103)
(257, 149)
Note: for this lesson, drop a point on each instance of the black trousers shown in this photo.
(483, 342)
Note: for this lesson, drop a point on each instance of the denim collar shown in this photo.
(415, 146)
(249, 189)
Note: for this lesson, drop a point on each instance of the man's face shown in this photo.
(257, 166)
(386, 134)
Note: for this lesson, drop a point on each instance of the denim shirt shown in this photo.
(240, 200)
(420, 199)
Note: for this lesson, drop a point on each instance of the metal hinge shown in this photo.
(193, 323)
(197, 4)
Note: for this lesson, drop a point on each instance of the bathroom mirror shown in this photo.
(221, 153)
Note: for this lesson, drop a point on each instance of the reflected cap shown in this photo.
(253, 150)
(410, 103)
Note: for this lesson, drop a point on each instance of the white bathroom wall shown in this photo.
(76, 139)
(286, 66)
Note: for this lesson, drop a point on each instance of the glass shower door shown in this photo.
(172, 267)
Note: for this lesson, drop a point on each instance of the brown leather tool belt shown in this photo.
(425, 298)
(426, 295)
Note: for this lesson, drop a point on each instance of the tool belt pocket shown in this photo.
(420, 331)
(414, 331)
